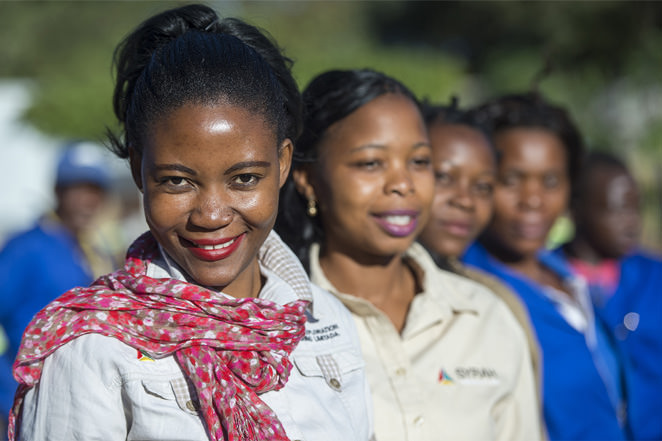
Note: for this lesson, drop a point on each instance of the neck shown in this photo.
(582, 250)
(66, 223)
(388, 284)
(532, 268)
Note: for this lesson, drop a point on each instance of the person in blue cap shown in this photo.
(39, 264)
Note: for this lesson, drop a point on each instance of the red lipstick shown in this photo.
(212, 250)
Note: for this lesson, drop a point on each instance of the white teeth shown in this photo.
(217, 247)
(398, 220)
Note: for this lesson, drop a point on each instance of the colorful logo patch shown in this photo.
(143, 357)
(444, 378)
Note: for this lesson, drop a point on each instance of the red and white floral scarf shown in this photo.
(232, 350)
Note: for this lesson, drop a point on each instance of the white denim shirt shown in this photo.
(459, 370)
(98, 388)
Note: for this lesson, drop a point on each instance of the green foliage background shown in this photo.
(600, 59)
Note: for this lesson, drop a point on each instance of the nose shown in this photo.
(398, 180)
(211, 211)
(462, 196)
(531, 196)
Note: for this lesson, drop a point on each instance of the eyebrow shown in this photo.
(247, 164)
(384, 147)
(174, 167)
(190, 171)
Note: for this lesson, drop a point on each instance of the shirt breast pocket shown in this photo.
(173, 391)
(163, 409)
(337, 379)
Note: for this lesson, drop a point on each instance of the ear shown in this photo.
(135, 161)
(285, 160)
(302, 182)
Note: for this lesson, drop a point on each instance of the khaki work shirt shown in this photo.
(460, 369)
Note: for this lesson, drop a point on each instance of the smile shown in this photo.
(215, 250)
(400, 224)
(399, 220)
(219, 246)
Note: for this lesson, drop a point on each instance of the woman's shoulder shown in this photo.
(449, 285)
(466, 293)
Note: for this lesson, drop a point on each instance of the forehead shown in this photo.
(530, 147)
(609, 185)
(192, 120)
(459, 139)
(385, 118)
(215, 130)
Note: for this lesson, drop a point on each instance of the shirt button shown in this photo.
(335, 383)
(400, 371)
(419, 420)
(190, 406)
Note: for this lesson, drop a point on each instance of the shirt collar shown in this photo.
(286, 280)
(429, 278)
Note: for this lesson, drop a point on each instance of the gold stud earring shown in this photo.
(312, 208)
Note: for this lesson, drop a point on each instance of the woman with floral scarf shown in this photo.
(212, 329)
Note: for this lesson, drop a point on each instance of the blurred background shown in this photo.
(602, 60)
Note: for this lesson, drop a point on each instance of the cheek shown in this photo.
(425, 188)
(346, 194)
(164, 211)
(484, 209)
(259, 208)
(505, 201)
(440, 200)
(557, 201)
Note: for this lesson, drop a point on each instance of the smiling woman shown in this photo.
(212, 330)
(445, 357)
(204, 207)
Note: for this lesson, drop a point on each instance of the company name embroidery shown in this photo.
(475, 373)
(325, 333)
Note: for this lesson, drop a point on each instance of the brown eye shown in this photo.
(246, 180)
(443, 178)
(484, 189)
(422, 162)
(510, 180)
(551, 181)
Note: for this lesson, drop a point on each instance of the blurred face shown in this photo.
(373, 180)
(465, 170)
(532, 191)
(210, 177)
(609, 216)
(78, 205)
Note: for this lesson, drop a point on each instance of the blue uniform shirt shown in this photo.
(36, 266)
(579, 392)
(633, 314)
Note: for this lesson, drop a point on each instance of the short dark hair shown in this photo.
(188, 55)
(531, 110)
(328, 98)
(452, 113)
(593, 160)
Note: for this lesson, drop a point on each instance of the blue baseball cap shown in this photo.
(82, 162)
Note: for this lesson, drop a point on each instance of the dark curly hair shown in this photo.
(188, 55)
(533, 111)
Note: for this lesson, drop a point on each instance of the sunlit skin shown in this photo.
(210, 175)
(532, 191)
(374, 186)
(78, 205)
(465, 170)
(607, 218)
